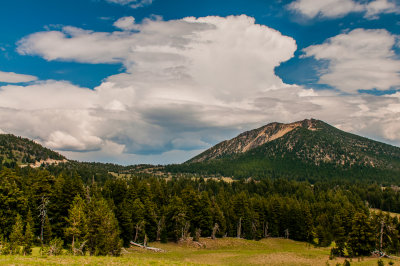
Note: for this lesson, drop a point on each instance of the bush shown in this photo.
(54, 248)
(335, 252)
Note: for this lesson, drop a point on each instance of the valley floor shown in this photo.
(226, 251)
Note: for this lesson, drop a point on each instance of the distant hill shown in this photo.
(305, 149)
(22, 151)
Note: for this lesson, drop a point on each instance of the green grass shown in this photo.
(227, 251)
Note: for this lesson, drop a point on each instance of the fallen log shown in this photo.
(145, 247)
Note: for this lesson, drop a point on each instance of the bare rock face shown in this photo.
(253, 139)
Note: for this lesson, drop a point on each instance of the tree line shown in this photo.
(86, 216)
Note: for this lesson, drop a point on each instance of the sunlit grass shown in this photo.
(227, 251)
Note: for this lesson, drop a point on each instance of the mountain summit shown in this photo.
(302, 149)
(253, 139)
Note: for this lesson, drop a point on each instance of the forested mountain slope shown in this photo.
(18, 150)
(304, 149)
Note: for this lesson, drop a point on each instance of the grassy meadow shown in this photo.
(228, 251)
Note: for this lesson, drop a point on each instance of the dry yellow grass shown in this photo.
(227, 251)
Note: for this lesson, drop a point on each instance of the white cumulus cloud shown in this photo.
(11, 77)
(340, 8)
(359, 60)
(126, 23)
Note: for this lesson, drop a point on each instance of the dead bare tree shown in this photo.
(160, 226)
(42, 214)
(266, 230)
(185, 231)
(287, 233)
(80, 249)
(254, 229)
(139, 227)
(197, 234)
(381, 234)
(214, 231)
(239, 228)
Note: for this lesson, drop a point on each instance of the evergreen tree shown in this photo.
(77, 223)
(28, 239)
(361, 238)
(12, 200)
(47, 231)
(124, 215)
(17, 235)
(65, 188)
(176, 218)
(30, 221)
(103, 232)
(340, 235)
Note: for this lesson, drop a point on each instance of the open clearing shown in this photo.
(228, 251)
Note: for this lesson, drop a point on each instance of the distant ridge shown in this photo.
(23, 151)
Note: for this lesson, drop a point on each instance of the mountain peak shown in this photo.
(249, 140)
(305, 149)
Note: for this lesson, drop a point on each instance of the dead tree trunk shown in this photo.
(160, 226)
(80, 249)
(254, 229)
(214, 231)
(381, 235)
(138, 227)
(239, 228)
(287, 233)
(148, 248)
(185, 231)
(266, 230)
(42, 214)
(197, 234)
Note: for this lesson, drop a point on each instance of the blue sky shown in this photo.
(141, 81)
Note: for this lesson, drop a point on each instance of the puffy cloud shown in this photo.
(36, 96)
(340, 8)
(132, 3)
(187, 84)
(74, 44)
(11, 77)
(325, 8)
(374, 8)
(126, 23)
(359, 60)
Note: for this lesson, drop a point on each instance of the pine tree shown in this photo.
(77, 223)
(12, 200)
(30, 221)
(65, 188)
(361, 238)
(17, 235)
(28, 240)
(176, 218)
(339, 235)
(47, 231)
(124, 215)
(103, 232)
